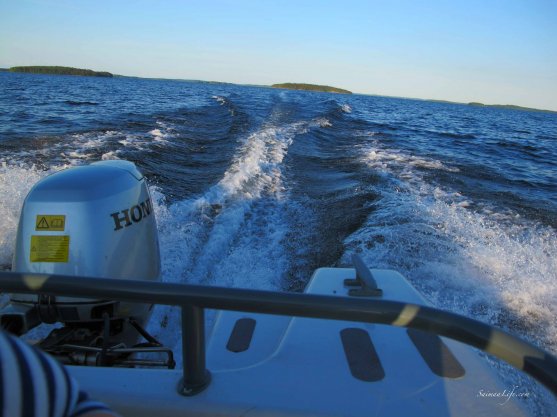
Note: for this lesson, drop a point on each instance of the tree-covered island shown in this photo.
(311, 87)
(53, 70)
(509, 106)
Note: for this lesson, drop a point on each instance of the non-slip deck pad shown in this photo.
(241, 335)
(360, 353)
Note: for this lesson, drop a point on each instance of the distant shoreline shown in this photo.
(55, 70)
(311, 87)
(293, 86)
(509, 106)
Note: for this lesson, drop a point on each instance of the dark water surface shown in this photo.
(256, 187)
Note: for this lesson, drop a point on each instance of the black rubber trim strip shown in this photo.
(241, 335)
(360, 353)
(436, 354)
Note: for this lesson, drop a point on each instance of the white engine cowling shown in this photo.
(87, 221)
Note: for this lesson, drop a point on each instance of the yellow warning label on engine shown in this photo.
(50, 223)
(50, 248)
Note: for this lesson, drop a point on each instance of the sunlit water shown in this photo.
(256, 187)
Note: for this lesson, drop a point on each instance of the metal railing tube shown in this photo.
(523, 355)
(196, 376)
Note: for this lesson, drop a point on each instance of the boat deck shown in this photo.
(268, 365)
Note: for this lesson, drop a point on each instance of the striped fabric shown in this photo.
(32, 384)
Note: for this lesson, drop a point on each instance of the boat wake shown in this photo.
(468, 258)
(463, 257)
(233, 235)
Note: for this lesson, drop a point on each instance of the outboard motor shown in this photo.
(87, 221)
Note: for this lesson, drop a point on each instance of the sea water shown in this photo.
(256, 187)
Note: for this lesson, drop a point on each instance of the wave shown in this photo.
(346, 108)
(481, 262)
(233, 234)
(399, 162)
(254, 174)
(477, 261)
(453, 135)
(324, 122)
(16, 181)
(225, 101)
(221, 100)
(255, 188)
(70, 149)
(81, 103)
(163, 133)
(78, 148)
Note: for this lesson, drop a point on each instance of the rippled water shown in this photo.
(256, 187)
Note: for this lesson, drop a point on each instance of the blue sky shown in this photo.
(501, 52)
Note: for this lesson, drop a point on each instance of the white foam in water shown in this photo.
(80, 146)
(16, 178)
(220, 99)
(482, 264)
(110, 155)
(140, 142)
(162, 133)
(233, 234)
(323, 122)
(401, 163)
(207, 222)
(346, 108)
(15, 183)
(73, 149)
(159, 136)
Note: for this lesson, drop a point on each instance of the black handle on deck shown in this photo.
(364, 279)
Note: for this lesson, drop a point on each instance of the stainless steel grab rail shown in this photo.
(193, 299)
